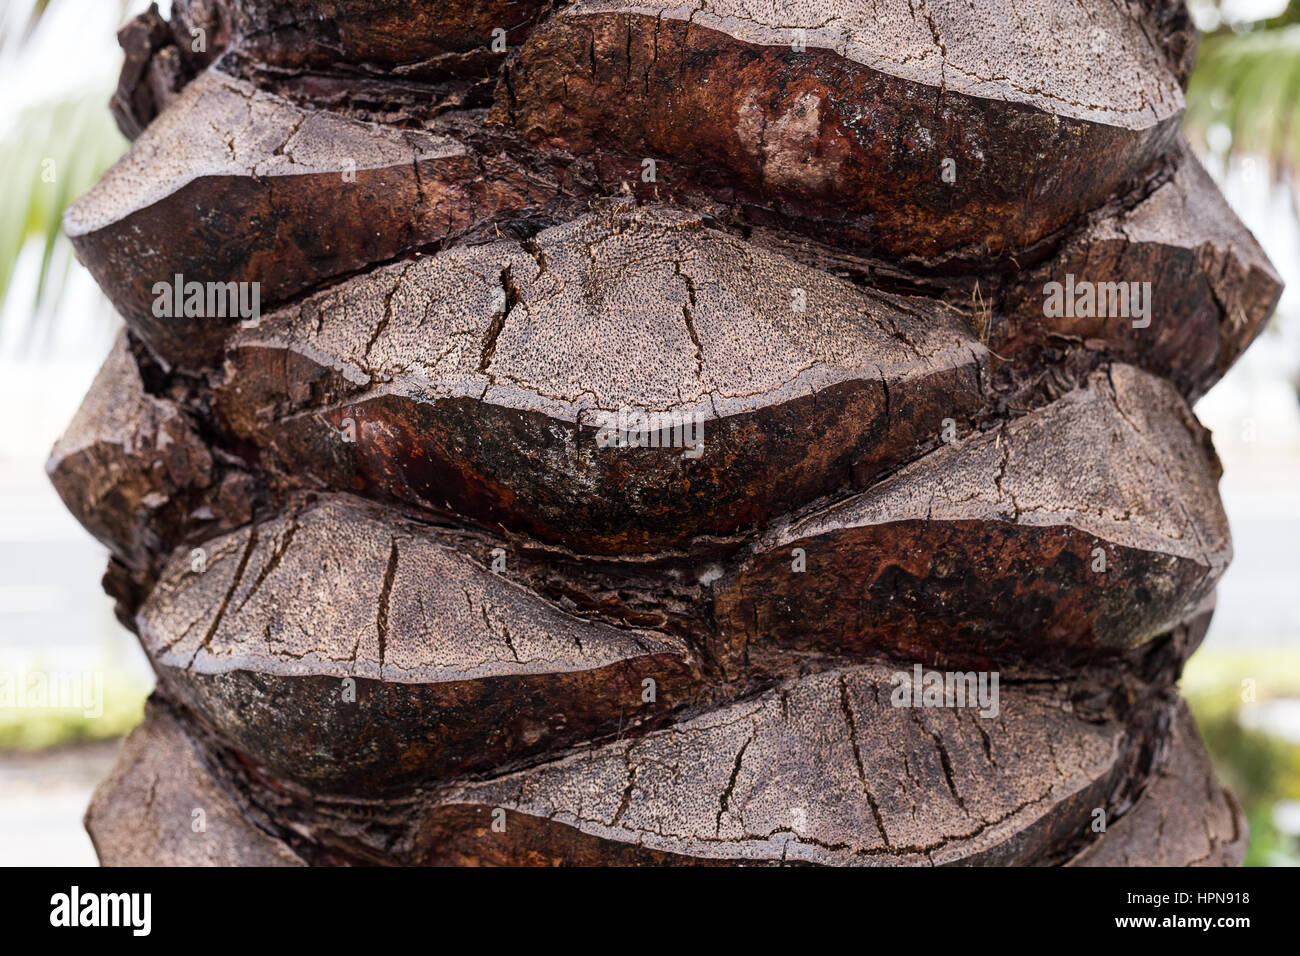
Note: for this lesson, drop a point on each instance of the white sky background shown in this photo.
(74, 50)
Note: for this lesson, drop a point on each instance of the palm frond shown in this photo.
(51, 155)
(1250, 84)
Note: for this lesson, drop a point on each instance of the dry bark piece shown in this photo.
(450, 668)
(133, 103)
(821, 770)
(134, 471)
(475, 381)
(1211, 287)
(1177, 33)
(234, 185)
(1183, 818)
(144, 813)
(913, 131)
(410, 38)
(954, 556)
(160, 58)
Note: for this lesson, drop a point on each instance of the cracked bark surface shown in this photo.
(476, 381)
(1212, 287)
(453, 669)
(144, 813)
(819, 770)
(136, 473)
(231, 184)
(942, 560)
(425, 39)
(1183, 818)
(405, 606)
(853, 129)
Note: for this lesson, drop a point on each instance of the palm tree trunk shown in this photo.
(582, 433)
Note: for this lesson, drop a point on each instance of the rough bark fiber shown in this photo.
(413, 598)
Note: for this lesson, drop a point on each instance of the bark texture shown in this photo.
(656, 439)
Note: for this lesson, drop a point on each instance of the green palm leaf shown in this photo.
(52, 155)
(1250, 83)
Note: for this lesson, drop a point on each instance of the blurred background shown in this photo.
(58, 65)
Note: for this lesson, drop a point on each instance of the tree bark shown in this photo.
(643, 409)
